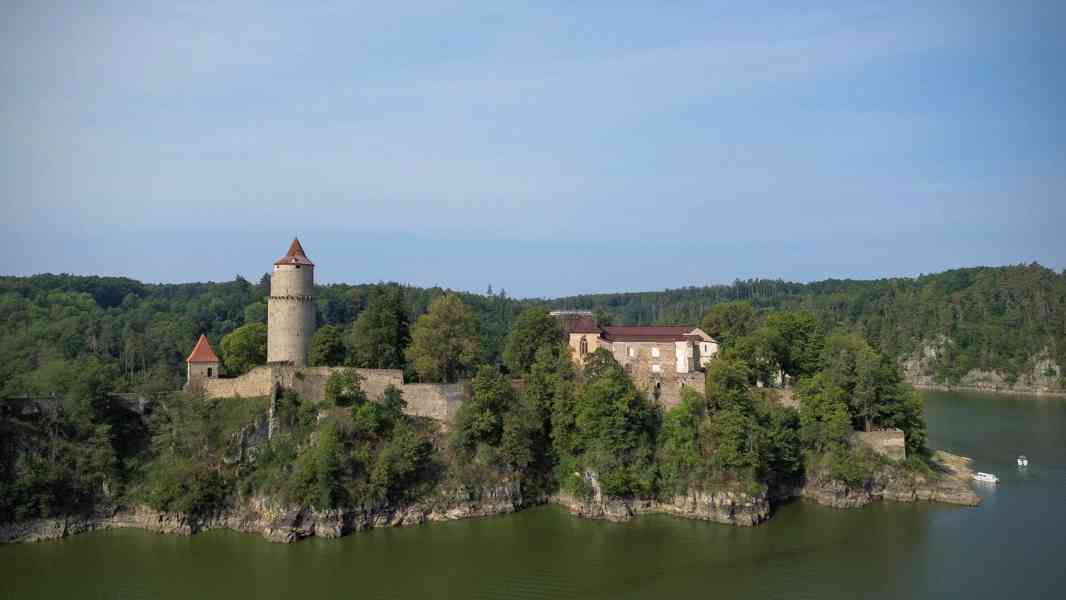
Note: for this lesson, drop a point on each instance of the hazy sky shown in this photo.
(547, 147)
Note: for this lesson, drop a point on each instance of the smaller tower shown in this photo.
(203, 363)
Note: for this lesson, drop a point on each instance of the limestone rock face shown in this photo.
(951, 485)
(1044, 378)
(284, 524)
(280, 523)
(729, 507)
(457, 503)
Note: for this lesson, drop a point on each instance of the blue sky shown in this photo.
(547, 148)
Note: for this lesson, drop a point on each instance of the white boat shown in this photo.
(986, 477)
(1023, 461)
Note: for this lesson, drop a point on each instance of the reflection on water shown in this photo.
(1004, 549)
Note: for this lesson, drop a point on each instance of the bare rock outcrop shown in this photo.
(949, 483)
(723, 506)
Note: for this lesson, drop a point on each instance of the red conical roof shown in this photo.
(295, 255)
(202, 352)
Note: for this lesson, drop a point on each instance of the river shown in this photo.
(1012, 546)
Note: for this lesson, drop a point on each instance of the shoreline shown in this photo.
(292, 524)
(941, 387)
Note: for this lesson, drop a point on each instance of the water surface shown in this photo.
(1010, 547)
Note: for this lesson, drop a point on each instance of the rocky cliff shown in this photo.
(725, 506)
(279, 523)
(949, 483)
(1044, 377)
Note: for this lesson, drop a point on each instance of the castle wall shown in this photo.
(437, 401)
(290, 314)
(254, 383)
(663, 386)
(310, 382)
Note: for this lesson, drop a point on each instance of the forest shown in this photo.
(537, 420)
(57, 328)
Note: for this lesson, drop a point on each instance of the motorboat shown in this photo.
(1023, 461)
(986, 477)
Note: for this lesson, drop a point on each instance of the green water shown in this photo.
(1012, 546)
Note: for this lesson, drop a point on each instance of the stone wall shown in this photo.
(665, 385)
(890, 443)
(254, 383)
(437, 401)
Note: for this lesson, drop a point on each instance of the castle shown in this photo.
(661, 359)
(290, 318)
(290, 328)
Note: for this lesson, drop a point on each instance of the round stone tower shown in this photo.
(291, 309)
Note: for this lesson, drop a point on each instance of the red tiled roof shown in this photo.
(202, 352)
(295, 255)
(582, 325)
(647, 333)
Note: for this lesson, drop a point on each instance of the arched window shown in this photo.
(584, 346)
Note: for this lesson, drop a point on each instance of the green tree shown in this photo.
(726, 384)
(533, 329)
(479, 419)
(401, 459)
(732, 436)
(318, 474)
(783, 451)
(393, 402)
(824, 420)
(728, 321)
(873, 385)
(444, 341)
(327, 347)
(803, 338)
(245, 348)
(256, 312)
(761, 351)
(345, 388)
(678, 455)
(614, 431)
(380, 334)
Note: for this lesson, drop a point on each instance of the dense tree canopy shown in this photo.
(244, 348)
(444, 341)
(327, 347)
(728, 321)
(533, 329)
(995, 319)
(380, 334)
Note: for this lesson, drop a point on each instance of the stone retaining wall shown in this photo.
(437, 401)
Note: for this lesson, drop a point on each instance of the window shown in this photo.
(631, 351)
(584, 346)
(208, 371)
(654, 352)
(656, 368)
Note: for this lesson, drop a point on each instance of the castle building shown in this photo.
(291, 308)
(202, 362)
(662, 359)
